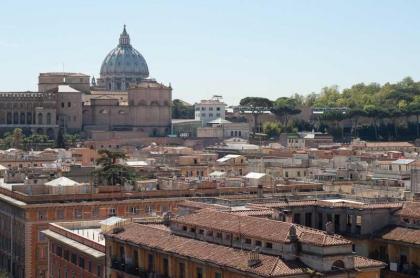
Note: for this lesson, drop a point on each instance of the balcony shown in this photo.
(118, 264)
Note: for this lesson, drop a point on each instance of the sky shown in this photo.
(234, 48)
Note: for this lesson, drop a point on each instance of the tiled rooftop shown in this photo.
(401, 234)
(255, 227)
(410, 210)
(328, 203)
(144, 235)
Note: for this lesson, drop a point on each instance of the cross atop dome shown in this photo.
(124, 38)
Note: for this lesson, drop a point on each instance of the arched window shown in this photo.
(29, 118)
(22, 118)
(48, 118)
(338, 265)
(9, 118)
(15, 118)
(40, 120)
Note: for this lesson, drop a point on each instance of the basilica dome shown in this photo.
(123, 65)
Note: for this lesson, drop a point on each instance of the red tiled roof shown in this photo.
(410, 210)
(363, 262)
(200, 205)
(402, 234)
(270, 266)
(324, 203)
(254, 212)
(388, 144)
(256, 227)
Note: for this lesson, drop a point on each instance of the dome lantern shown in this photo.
(124, 38)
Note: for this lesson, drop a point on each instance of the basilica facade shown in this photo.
(123, 98)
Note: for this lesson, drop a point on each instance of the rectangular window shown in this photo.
(258, 243)
(41, 236)
(66, 255)
(78, 213)
(42, 214)
(95, 212)
(59, 251)
(248, 241)
(112, 212)
(199, 272)
(218, 275)
(268, 245)
(81, 262)
(133, 210)
(201, 231)
(181, 270)
(165, 266)
(150, 262)
(74, 258)
(60, 214)
(219, 235)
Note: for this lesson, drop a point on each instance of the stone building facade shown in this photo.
(124, 98)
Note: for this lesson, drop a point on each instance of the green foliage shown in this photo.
(60, 143)
(71, 139)
(180, 110)
(272, 129)
(283, 107)
(256, 102)
(110, 172)
(14, 139)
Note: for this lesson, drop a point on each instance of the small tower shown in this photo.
(254, 258)
(292, 233)
(93, 81)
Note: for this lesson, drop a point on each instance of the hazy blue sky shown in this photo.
(233, 48)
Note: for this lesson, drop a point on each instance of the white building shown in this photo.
(209, 110)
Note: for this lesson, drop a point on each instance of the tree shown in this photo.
(283, 107)
(181, 110)
(60, 142)
(14, 139)
(334, 117)
(71, 139)
(272, 129)
(256, 106)
(414, 109)
(355, 114)
(375, 113)
(110, 171)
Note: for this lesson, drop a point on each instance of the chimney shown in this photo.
(329, 228)
(260, 192)
(292, 233)
(254, 258)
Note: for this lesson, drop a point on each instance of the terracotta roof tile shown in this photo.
(270, 266)
(402, 234)
(256, 227)
(325, 203)
(363, 262)
(410, 209)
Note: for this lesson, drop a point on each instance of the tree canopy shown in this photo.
(110, 171)
(181, 110)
